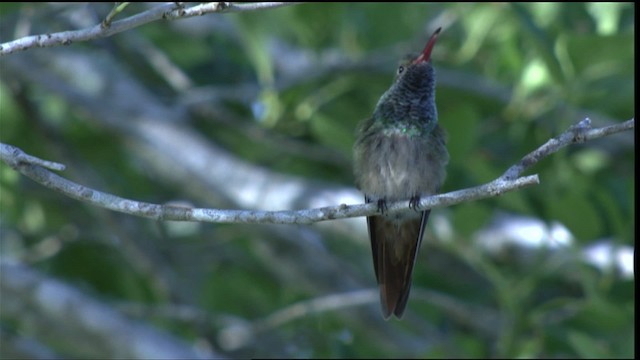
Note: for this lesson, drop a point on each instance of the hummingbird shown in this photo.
(400, 153)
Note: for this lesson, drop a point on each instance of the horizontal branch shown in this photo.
(178, 213)
(509, 181)
(169, 11)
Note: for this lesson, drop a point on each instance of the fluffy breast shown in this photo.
(398, 166)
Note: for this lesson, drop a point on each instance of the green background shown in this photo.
(284, 89)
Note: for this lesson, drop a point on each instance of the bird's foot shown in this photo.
(382, 206)
(414, 203)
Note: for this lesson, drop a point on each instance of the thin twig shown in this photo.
(170, 11)
(577, 133)
(14, 157)
(117, 9)
(238, 334)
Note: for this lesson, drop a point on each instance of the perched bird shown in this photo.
(400, 154)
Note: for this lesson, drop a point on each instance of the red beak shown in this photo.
(426, 53)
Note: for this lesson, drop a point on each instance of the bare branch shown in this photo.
(46, 302)
(580, 132)
(169, 11)
(577, 133)
(223, 7)
(308, 216)
(14, 157)
(239, 334)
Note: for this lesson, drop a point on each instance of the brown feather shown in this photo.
(394, 244)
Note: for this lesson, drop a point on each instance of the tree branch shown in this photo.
(169, 11)
(178, 213)
(46, 303)
(14, 157)
(238, 334)
(577, 133)
(510, 180)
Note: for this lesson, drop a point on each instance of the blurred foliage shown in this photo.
(511, 76)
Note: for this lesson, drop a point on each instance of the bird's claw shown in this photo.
(382, 206)
(414, 203)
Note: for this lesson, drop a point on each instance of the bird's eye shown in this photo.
(400, 69)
